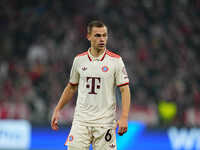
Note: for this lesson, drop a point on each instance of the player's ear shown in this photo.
(88, 36)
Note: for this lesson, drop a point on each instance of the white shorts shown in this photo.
(101, 138)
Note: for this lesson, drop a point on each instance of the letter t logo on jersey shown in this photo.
(93, 85)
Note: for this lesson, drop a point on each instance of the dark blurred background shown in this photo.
(159, 41)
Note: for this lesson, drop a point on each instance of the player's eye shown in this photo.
(97, 35)
(100, 35)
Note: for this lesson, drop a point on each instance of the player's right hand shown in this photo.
(54, 120)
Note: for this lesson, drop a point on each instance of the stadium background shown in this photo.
(159, 41)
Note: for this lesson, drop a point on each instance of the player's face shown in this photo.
(98, 38)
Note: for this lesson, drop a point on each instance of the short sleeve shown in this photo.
(121, 73)
(74, 74)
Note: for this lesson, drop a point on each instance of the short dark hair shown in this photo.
(94, 23)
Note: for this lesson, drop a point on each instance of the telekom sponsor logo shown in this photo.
(93, 84)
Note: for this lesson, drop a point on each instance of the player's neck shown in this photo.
(96, 52)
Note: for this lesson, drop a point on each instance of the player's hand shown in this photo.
(54, 120)
(123, 126)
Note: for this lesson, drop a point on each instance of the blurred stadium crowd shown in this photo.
(159, 40)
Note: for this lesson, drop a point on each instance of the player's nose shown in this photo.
(102, 38)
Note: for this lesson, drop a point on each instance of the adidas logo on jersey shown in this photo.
(84, 68)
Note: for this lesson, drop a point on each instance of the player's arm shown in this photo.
(66, 96)
(123, 122)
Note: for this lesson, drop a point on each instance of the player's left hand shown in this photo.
(54, 120)
(123, 126)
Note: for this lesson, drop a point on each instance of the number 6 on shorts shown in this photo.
(108, 136)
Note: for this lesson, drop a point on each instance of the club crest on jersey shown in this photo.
(104, 68)
(70, 138)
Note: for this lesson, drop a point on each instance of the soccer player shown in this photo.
(95, 73)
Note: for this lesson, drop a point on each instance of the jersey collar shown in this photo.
(100, 58)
